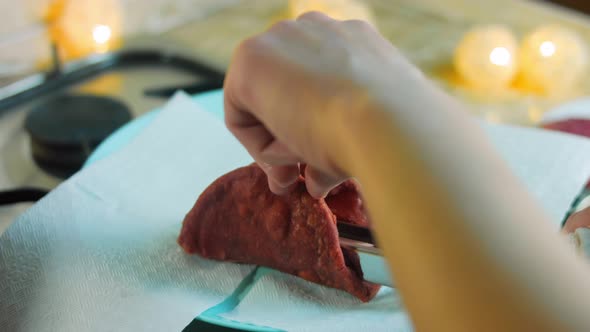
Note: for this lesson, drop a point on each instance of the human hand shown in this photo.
(577, 220)
(288, 90)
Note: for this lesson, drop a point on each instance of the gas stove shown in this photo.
(51, 122)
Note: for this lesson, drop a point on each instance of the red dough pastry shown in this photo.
(238, 219)
(346, 203)
(573, 126)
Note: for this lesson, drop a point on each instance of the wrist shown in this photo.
(368, 126)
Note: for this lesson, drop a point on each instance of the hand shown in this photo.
(577, 220)
(337, 96)
(286, 87)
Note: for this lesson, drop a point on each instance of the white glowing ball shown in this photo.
(486, 57)
(101, 34)
(90, 25)
(553, 58)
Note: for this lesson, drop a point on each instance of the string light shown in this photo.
(552, 59)
(486, 57)
(101, 34)
(547, 48)
(500, 56)
(89, 26)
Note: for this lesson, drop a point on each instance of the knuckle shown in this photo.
(284, 26)
(312, 16)
(358, 25)
(248, 46)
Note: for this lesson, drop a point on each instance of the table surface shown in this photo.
(426, 31)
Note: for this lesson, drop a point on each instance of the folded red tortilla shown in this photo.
(238, 219)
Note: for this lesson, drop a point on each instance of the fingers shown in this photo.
(319, 183)
(279, 164)
(577, 220)
(276, 153)
(280, 178)
(266, 95)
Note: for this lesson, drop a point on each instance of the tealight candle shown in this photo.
(486, 57)
(552, 58)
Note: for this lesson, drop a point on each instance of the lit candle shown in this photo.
(552, 59)
(486, 57)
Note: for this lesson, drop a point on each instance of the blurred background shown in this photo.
(510, 61)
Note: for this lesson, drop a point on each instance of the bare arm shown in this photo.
(470, 250)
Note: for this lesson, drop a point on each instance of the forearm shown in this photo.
(456, 225)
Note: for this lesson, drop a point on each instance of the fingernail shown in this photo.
(314, 191)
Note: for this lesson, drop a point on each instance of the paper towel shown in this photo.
(99, 252)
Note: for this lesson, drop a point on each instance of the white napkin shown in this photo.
(99, 253)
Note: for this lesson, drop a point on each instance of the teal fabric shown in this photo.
(211, 102)
(211, 315)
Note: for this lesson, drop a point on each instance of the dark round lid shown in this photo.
(66, 129)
